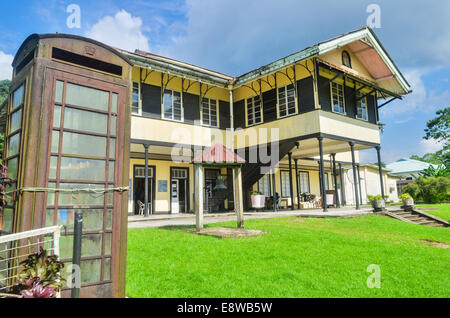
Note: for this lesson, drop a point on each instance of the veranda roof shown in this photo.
(218, 155)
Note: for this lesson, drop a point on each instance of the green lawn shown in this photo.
(443, 211)
(298, 258)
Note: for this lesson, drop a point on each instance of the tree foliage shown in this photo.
(429, 189)
(440, 171)
(383, 164)
(439, 128)
(4, 90)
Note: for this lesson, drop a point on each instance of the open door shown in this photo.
(175, 193)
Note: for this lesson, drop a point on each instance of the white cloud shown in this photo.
(430, 146)
(233, 36)
(121, 30)
(421, 99)
(5, 65)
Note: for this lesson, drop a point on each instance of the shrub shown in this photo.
(413, 190)
(373, 198)
(405, 196)
(429, 190)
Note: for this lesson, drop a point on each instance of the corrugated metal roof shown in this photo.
(217, 78)
(403, 165)
(218, 154)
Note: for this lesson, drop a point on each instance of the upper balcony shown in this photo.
(339, 128)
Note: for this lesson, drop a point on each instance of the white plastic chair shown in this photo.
(141, 207)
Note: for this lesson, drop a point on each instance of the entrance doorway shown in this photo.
(139, 188)
(179, 190)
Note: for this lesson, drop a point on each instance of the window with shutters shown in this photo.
(264, 185)
(337, 98)
(286, 101)
(136, 105)
(254, 110)
(285, 184)
(303, 181)
(361, 106)
(209, 112)
(172, 105)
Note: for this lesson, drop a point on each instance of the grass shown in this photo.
(298, 258)
(443, 211)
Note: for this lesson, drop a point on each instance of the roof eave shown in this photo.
(278, 64)
(366, 32)
(177, 70)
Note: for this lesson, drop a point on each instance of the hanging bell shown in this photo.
(220, 184)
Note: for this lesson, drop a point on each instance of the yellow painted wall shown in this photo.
(162, 167)
(335, 57)
(340, 125)
(281, 80)
(342, 157)
(175, 84)
(288, 127)
(162, 199)
(178, 133)
(306, 124)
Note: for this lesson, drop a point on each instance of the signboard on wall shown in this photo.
(130, 190)
(162, 185)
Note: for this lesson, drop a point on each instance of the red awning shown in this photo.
(219, 154)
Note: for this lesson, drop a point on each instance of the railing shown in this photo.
(14, 248)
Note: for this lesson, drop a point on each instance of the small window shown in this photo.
(136, 106)
(337, 98)
(17, 99)
(179, 173)
(264, 185)
(285, 184)
(139, 172)
(303, 181)
(254, 115)
(209, 112)
(346, 60)
(361, 106)
(172, 104)
(286, 101)
(85, 61)
(325, 181)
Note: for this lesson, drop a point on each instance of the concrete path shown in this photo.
(189, 219)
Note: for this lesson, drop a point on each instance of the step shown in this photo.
(401, 213)
(418, 220)
(411, 216)
(426, 222)
(436, 225)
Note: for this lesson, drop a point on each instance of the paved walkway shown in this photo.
(159, 220)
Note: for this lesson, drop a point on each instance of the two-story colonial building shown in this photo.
(324, 99)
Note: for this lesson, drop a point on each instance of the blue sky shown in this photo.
(236, 36)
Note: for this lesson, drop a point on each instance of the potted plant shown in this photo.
(40, 276)
(377, 202)
(258, 200)
(408, 201)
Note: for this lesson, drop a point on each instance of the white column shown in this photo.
(238, 197)
(198, 170)
(231, 120)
